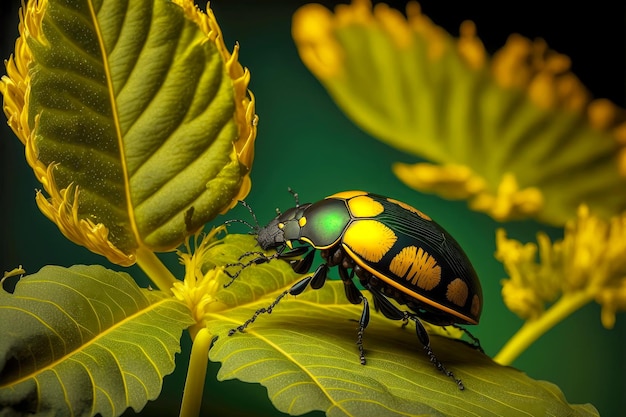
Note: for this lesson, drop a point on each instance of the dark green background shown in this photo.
(305, 142)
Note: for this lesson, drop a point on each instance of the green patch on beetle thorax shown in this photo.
(516, 134)
(325, 223)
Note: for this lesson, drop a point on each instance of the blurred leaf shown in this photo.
(85, 340)
(135, 119)
(516, 134)
(305, 354)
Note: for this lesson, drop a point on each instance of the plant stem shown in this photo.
(532, 330)
(196, 374)
(154, 268)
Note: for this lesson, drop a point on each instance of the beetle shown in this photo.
(396, 252)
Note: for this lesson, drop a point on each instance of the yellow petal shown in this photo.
(530, 138)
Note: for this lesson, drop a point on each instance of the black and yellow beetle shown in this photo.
(395, 250)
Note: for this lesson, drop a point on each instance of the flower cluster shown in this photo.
(198, 288)
(588, 264)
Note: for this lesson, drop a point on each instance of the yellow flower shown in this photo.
(588, 264)
(516, 133)
(198, 288)
(530, 285)
(612, 299)
(590, 258)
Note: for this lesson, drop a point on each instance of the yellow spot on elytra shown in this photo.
(457, 292)
(364, 206)
(345, 195)
(416, 265)
(302, 222)
(369, 239)
(475, 308)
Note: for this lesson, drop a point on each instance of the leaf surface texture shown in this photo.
(134, 105)
(305, 354)
(85, 340)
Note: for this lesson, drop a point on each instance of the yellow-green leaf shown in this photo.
(253, 283)
(305, 354)
(135, 118)
(85, 340)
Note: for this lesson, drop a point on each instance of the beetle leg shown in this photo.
(352, 292)
(296, 289)
(475, 342)
(319, 277)
(260, 255)
(292, 253)
(422, 335)
(260, 259)
(363, 322)
(382, 304)
(303, 265)
(300, 266)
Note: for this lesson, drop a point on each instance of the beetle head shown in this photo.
(271, 236)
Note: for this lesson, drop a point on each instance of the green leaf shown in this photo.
(252, 283)
(304, 353)
(137, 105)
(85, 340)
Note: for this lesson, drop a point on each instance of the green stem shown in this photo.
(532, 330)
(196, 374)
(154, 268)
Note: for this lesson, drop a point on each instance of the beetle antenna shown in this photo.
(246, 205)
(254, 228)
(260, 258)
(295, 196)
(227, 222)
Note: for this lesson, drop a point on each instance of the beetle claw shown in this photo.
(433, 359)
(475, 341)
(359, 343)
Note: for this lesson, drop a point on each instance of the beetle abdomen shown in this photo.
(407, 250)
